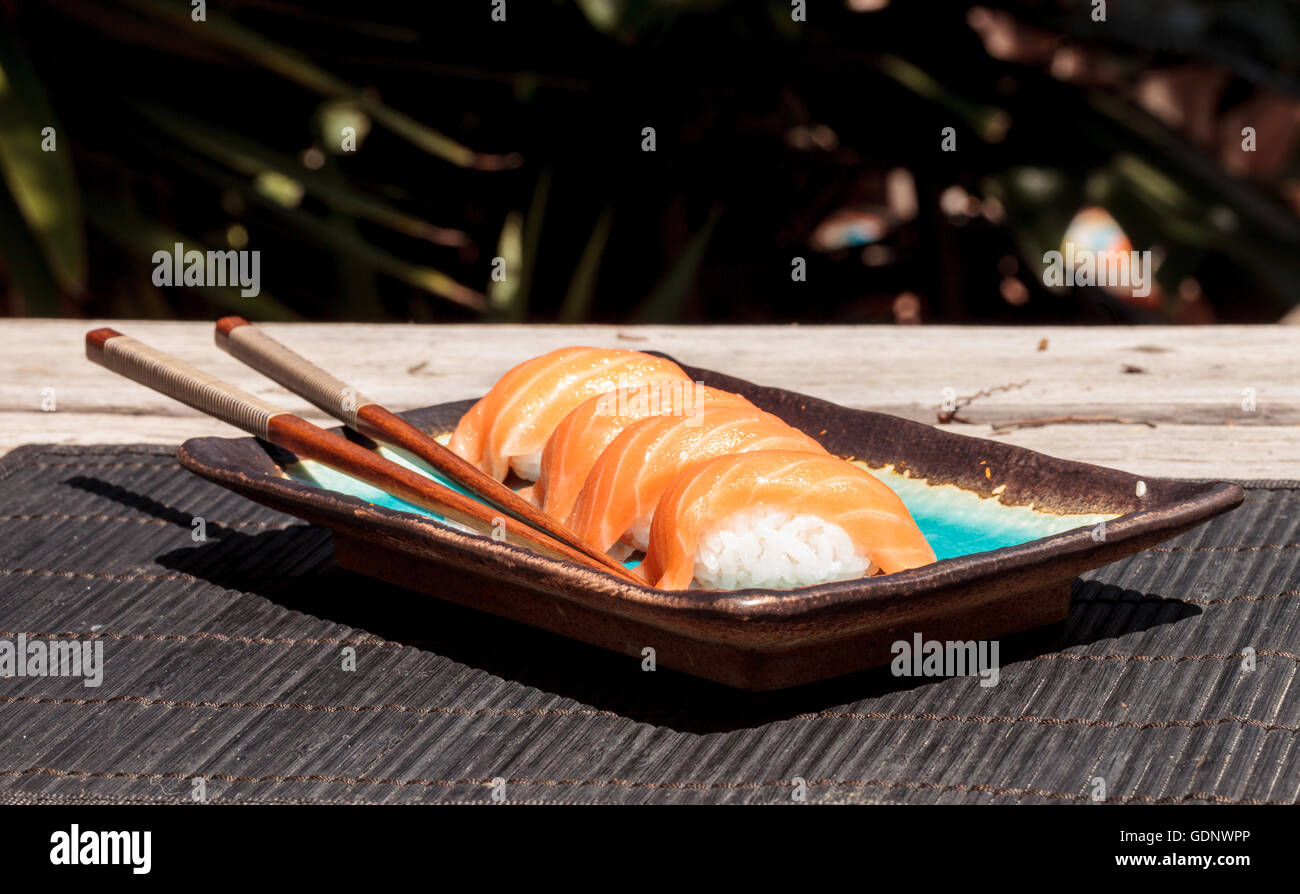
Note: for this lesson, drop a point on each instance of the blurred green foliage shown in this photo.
(403, 161)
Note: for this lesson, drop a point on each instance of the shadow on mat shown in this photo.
(294, 567)
(316, 586)
(145, 504)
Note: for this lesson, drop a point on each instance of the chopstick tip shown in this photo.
(96, 338)
(226, 324)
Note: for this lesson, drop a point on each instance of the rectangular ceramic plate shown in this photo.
(1012, 528)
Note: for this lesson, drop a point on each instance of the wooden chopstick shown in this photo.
(174, 378)
(250, 344)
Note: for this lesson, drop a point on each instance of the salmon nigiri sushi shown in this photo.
(618, 499)
(778, 519)
(508, 428)
(583, 435)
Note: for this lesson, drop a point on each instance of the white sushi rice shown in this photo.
(639, 534)
(620, 552)
(527, 466)
(773, 549)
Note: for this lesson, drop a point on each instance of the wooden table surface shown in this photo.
(1197, 402)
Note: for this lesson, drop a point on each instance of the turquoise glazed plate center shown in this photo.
(956, 522)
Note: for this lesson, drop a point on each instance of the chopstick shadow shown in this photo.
(129, 498)
(146, 504)
(604, 680)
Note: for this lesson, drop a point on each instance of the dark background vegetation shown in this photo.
(523, 140)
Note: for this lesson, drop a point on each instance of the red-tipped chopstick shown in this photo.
(249, 343)
(163, 373)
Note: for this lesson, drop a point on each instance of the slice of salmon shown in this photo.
(802, 483)
(628, 478)
(583, 435)
(516, 417)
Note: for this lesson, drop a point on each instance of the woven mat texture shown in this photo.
(223, 660)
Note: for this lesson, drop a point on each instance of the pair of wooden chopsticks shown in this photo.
(522, 523)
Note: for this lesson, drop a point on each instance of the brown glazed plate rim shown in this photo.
(1169, 507)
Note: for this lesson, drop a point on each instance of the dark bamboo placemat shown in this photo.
(223, 661)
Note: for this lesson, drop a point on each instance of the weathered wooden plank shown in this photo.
(1179, 451)
(1189, 375)
(1195, 383)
